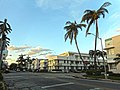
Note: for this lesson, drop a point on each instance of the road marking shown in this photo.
(56, 85)
(96, 89)
(13, 77)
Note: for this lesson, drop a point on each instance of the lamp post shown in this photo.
(104, 64)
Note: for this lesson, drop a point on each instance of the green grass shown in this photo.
(102, 77)
(114, 77)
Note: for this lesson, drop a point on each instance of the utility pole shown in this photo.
(104, 64)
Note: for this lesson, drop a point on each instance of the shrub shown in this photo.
(1, 77)
(89, 72)
(43, 70)
(3, 85)
(93, 72)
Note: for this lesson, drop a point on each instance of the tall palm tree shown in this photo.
(91, 17)
(72, 32)
(5, 29)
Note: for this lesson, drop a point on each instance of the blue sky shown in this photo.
(38, 25)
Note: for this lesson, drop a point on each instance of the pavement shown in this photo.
(56, 81)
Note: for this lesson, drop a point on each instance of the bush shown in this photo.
(114, 77)
(3, 85)
(43, 70)
(115, 74)
(89, 72)
(1, 77)
(110, 73)
(93, 72)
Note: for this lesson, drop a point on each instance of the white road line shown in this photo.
(13, 77)
(56, 85)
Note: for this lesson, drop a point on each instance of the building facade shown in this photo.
(70, 62)
(44, 65)
(35, 65)
(112, 46)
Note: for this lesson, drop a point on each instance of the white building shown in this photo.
(44, 65)
(114, 66)
(35, 64)
(69, 61)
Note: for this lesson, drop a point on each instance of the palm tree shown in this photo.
(98, 54)
(72, 32)
(91, 53)
(5, 28)
(29, 61)
(21, 62)
(91, 17)
(6, 41)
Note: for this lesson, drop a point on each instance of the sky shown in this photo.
(38, 25)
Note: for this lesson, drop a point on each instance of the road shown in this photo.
(55, 81)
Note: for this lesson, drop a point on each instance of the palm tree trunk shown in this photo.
(96, 36)
(1, 52)
(79, 52)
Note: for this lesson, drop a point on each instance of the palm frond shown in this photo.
(68, 22)
(86, 17)
(102, 10)
(105, 4)
(1, 21)
(66, 36)
(80, 26)
(71, 38)
(90, 23)
(9, 26)
(67, 27)
(88, 11)
(101, 13)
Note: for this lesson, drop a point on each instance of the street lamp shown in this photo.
(102, 54)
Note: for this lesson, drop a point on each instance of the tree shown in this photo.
(13, 66)
(21, 62)
(91, 17)
(98, 53)
(29, 61)
(72, 32)
(5, 29)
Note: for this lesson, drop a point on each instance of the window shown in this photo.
(113, 66)
(71, 62)
(77, 62)
(67, 61)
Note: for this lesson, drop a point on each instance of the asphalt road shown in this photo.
(55, 81)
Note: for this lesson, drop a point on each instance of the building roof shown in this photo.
(108, 48)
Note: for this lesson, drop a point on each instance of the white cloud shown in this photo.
(13, 48)
(14, 51)
(38, 50)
